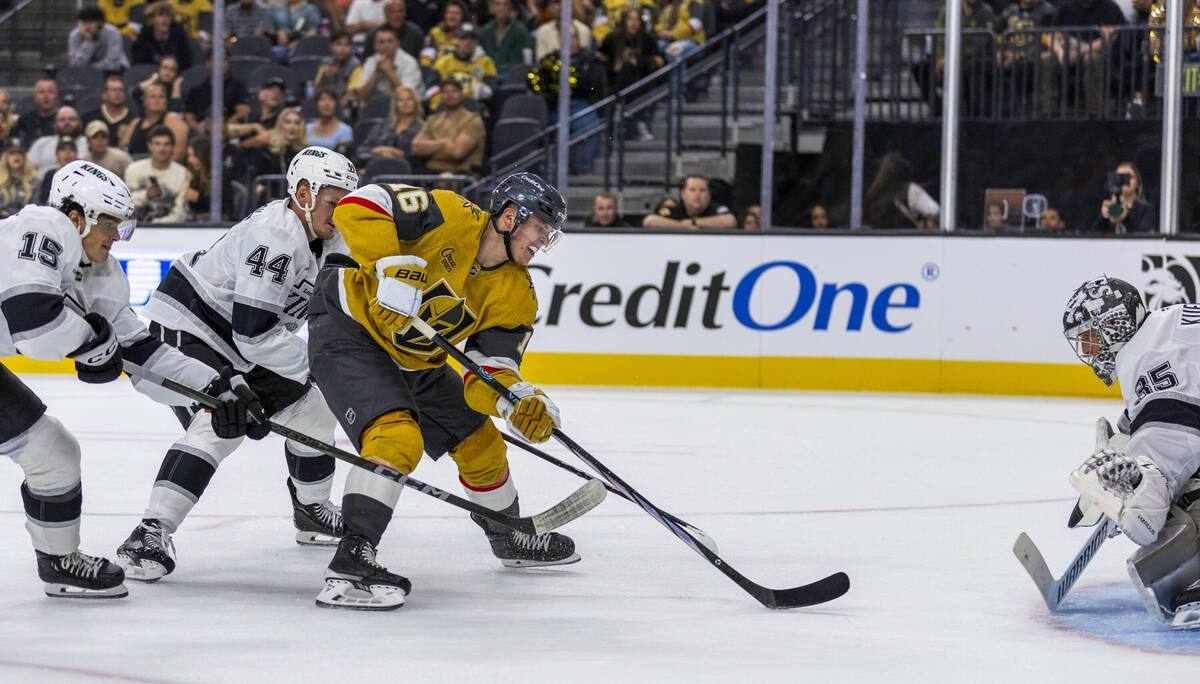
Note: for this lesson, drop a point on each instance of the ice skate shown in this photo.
(78, 575)
(522, 550)
(317, 524)
(148, 554)
(1187, 608)
(355, 580)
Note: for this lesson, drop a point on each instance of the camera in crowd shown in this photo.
(1114, 181)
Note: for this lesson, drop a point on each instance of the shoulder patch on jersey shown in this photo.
(374, 197)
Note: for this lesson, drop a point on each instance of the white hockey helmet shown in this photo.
(98, 191)
(320, 167)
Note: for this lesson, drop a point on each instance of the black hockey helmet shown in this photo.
(532, 197)
(1100, 317)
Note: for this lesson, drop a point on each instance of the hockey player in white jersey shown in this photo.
(240, 303)
(61, 296)
(1146, 477)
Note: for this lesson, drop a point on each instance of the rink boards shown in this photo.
(914, 314)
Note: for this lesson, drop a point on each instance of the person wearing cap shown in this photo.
(469, 65)
(453, 138)
(43, 150)
(99, 151)
(64, 154)
(389, 68)
(18, 178)
(95, 43)
(395, 14)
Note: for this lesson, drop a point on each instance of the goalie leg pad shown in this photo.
(1164, 569)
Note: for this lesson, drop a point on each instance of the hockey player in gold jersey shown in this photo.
(434, 254)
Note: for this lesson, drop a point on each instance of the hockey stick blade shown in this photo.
(696, 532)
(1054, 590)
(579, 502)
(823, 590)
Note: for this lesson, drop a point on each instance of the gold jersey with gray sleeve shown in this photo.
(491, 309)
(45, 289)
(247, 295)
(1159, 372)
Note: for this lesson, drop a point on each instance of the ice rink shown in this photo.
(917, 497)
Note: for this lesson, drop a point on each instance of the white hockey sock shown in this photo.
(495, 496)
(168, 505)
(313, 492)
(366, 483)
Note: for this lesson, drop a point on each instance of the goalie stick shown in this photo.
(579, 502)
(692, 529)
(1054, 590)
(825, 589)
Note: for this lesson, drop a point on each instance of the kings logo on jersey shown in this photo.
(1168, 280)
(446, 312)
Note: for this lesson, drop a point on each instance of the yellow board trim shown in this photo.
(774, 372)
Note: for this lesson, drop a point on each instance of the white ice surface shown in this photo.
(918, 498)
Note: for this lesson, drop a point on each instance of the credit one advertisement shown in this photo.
(927, 299)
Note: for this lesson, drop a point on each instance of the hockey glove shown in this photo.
(240, 412)
(99, 359)
(1130, 490)
(401, 285)
(534, 416)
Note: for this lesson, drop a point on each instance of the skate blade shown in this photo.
(145, 571)
(1187, 617)
(305, 538)
(343, 594)
(527, 563)
(56, 590)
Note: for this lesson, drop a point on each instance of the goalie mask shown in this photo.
(1101, 316)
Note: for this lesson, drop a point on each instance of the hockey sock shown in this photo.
(367, 504)
(312, 475)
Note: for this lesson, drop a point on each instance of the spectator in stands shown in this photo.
(199, 192)
(328, 130)
(167, 74)
(116, 12)
(18, 179)
(994, 216)
(1126, 210)
(1022, 48)
(161, 37)
(6, 111)
(294, 19)
(546, 37)
(1079, 56)
(99, 151)
(631, 54)
(469, 65)
(424, 13)
(364, 16)
(197, 101)
(64, 153)
(393, 138)
(589, 83)
(254, 131)
(507, 41)
(39, 122)
(604, 212)
(667, 203)
(67, 124)
(395, 14)
(249, 18)
(136, 140)
(453, 138)
(892, 200)
(1052, 220)
(5, 132)
(286, 139)
(695, 209)
(389, 68)
(187, 13)
(112, 110)
(818, 217)
(336, 70)
(977, 56)
(753, 218)
(442, 39)
(94, 43)
(680, 27)
(158, 184)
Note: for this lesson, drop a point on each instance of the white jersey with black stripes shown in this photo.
(247, 295)
(1159, 372)
(45, 289)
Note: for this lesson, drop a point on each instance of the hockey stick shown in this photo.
(822, 590)
(692, 529)
(1054, 590)
(579, 502)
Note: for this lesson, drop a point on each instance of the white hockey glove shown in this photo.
(401, 286)
(534, 416)
(1130, 490)
(1086, 513)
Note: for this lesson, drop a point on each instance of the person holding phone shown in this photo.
(1125, 209)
